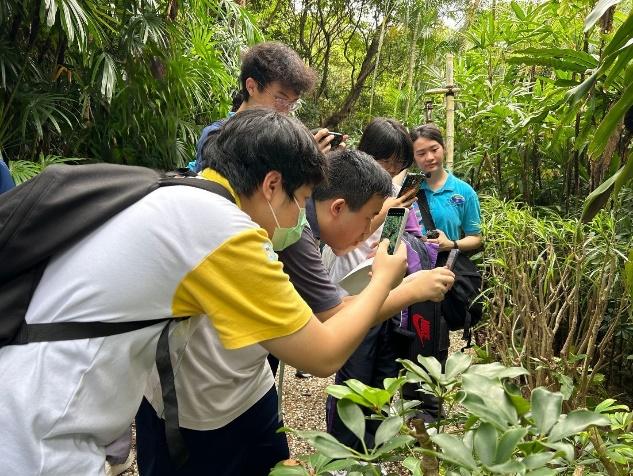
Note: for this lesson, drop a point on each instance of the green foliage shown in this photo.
(556, 294)
(23, 170)
(119, 81)
(492, 431)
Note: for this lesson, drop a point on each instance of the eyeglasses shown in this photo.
(283, 104)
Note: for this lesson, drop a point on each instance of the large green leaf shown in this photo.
(487, 400)
(352, 417)
(537, 460)
(509, 467)
(432, 366)
(575, 422)
(610, 122)
(508, 443)
(388, 429)
(398, 441)
(496, 370)
(598, 198)
(413, 465)
(327, 444)
(514, 394)
(453, 449)
(546, 408)
(456, 364)
(598, 11)
(343, 392)
(485, 443)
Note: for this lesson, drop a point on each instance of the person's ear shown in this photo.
(251, 85)
(272, 185)
(337, 207)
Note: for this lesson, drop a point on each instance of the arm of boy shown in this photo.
(322, 348)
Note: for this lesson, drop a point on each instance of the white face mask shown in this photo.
(284, 237)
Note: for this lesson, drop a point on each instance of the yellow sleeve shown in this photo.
(242, 288)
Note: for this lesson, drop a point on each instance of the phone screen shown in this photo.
(393, 227)
(336, 141)
(411, 182)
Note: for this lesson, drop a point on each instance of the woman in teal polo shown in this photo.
(453, 203)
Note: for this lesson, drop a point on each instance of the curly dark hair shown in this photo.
(273, 61)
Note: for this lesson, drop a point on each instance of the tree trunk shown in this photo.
(383, 27)
(414, 49)
(366, 69)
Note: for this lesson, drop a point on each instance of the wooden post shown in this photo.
(449, 93)
(450, 113)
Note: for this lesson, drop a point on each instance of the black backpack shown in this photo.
(53, 210)
(462, 307)
(421, 330)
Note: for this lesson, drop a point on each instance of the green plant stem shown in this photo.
(430, 464)
(601, 452)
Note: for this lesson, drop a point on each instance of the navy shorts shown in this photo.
(248, 446)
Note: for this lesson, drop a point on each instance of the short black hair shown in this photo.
(428, 131)
(273, 61)
(354, 176)
(384, 139)
(257, 141)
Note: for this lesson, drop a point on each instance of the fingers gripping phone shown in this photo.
(411, 182)
(452, 257)
(393, 227)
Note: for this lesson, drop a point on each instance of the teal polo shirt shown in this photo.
(454, 208)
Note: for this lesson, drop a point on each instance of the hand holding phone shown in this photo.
(336, 141)
(394, 227)
(452, 257)
(411, 182)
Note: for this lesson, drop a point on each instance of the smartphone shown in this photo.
(452, 256)
(411, 182)
(393, 227)
(336, 141)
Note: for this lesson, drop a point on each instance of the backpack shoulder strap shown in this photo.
(56, 331)
(425, 210)
(192, 181)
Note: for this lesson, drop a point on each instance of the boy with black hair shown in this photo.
(63, 401)
(272, 76)
(339, 214)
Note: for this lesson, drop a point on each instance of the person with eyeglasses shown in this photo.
(272, 76)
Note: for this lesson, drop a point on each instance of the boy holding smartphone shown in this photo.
(339, 213)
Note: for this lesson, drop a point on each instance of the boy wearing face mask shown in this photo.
(229, 418)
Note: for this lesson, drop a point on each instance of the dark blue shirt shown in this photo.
(6, 182)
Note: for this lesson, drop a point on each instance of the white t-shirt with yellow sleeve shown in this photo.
(179, 251)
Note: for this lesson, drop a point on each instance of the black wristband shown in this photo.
(455, 245)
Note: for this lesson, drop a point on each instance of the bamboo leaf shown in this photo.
(601, 7)
(516, 8)
(610, 121)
